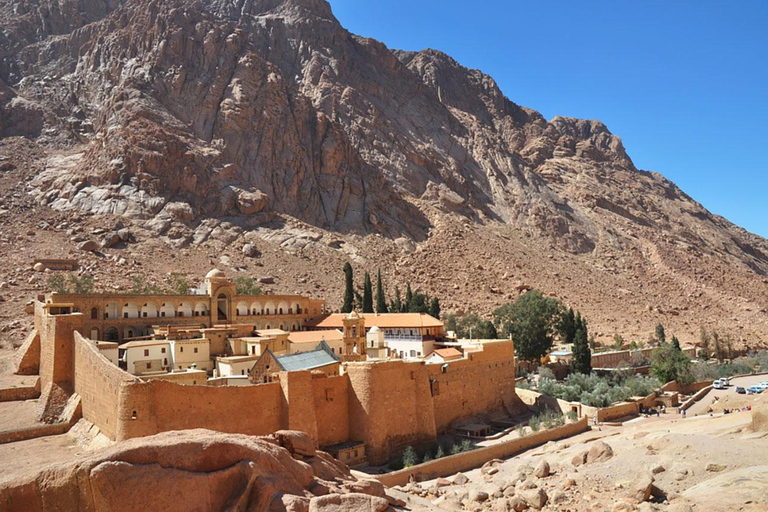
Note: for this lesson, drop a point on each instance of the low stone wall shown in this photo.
(475, 458)
(695, 398)
(690, 388)
(620, 410)
(20, 392)
(73, 413)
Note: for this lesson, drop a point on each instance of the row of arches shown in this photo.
(151, 310)
(269, 308)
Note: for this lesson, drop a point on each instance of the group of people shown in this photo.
(743, 409)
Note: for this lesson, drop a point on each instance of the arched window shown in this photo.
(111, 334)
(94, 313)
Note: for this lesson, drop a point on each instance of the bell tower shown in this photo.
(354, 335)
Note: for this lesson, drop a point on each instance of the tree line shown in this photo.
(412, 302)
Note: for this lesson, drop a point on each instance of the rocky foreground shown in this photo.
(200, 470)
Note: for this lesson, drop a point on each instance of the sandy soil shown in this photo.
(16, 415)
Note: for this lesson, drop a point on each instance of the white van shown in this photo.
(718, 384)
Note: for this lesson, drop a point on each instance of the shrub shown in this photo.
(546, 373)
(81, 284)
(440, 453)
(521, 430)
(427, 457)
(409, 457)
(57, 283)
(534, 423)
(246, 286)
(467, 445)
(179, 284)
(572, 415)
(455, 449)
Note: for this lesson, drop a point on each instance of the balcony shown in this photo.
(403, 337)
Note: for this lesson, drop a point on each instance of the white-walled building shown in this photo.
(150, 356)
(228, 366)
(306, 341)
(186, 353)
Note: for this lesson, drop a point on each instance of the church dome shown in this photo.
(215, 273)
(375, 328)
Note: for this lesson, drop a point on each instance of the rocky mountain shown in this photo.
(207, 125)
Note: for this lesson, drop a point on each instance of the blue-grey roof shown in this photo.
(321, 356)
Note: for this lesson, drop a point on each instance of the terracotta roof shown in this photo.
(270, 332)
(447, 353)
(315, 336)
(382, 321)
(147, 343)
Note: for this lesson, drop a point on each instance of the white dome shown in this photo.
(215, 273)
(375, 329)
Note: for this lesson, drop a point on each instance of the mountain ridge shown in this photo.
(180, 116)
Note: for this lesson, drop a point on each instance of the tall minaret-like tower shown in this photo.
(354, 335)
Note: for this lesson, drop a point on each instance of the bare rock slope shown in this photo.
(267, 122)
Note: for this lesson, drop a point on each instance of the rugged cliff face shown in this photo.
(178, 115)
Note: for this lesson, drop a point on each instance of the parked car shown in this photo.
(725, 381)
(754, 390)
(740, 390)
(764, 385)
(717, 384)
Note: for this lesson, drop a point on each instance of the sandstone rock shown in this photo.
(370, 487)
(658, 469)
(542, 470)
(623, 506)
(477, 495)
(110, 240)
(599, 452)
(570, 480)
(557, 496)
(460, 479)
(88, 245)
(297, 443)
(580, 459)
(38, 267)
(641, 487)
(536, 498)
(250, 250)
(125, 234)
(716, 468)
(267, 280)
(443, 482)
(679, 507)
(347, 503)
(518, 504)
(249, 203)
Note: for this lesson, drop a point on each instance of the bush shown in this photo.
(534, 423)
(246, 286)
(409, 457)
(546, 373)
(179, 284)
(81, 284)
(57, 283)
(573, 416)
(440, 453)
(598, 391)
(521, 430)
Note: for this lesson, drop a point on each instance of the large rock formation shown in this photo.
(199, 470)
(177, 114)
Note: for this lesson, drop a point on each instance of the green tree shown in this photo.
(396, 304)
(532, 322)
(706, 343)
(381, 300)
(450, 322)
(419, 303)
(179, 284)
(676, 343)
(472, 326)
(582, 356)
(567, 326)
(57, 283)
(409, 457)
(408, 298)
(246, 286)
(669, 363)
(661, 336)
(349, 296)
(618, 342)
(367, 294)
(81, 284)
(434, 307)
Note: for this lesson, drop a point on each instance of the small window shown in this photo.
(149, 365)
(195, 350)
(181, 349)
(162, 350)
(165, 361)
(146, 352)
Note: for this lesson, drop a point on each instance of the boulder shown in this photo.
(518, 504)
(536, 498)
(679, 507)
(460, 479)
(352, 502)
(716, 468)
(599, 452)
(125, 234)
(249, 203)
(542, 470)
(641, 487)
(369, 487)
(580, 459)
(297, 443)
(88, 245)
(38, 267)
(110, 240)
(250, 251)
(476, 495)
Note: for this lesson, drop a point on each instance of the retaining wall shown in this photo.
(475, 458)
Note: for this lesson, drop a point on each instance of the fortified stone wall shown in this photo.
(331, 395)
(482, 383)
(390, 407)
(147, 408)
(99, 383)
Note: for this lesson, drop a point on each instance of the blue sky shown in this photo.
(683, 83)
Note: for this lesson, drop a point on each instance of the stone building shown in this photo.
(123, 316)
(321, 359)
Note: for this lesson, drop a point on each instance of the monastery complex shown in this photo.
(363, 386)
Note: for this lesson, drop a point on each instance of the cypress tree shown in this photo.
(582, 356)
(406, 307)
(396, 304)
(434, 307)
(676, 343)
(349, 294)
(367, 294)
(568, 326)
(660, 334)
(381, 301)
